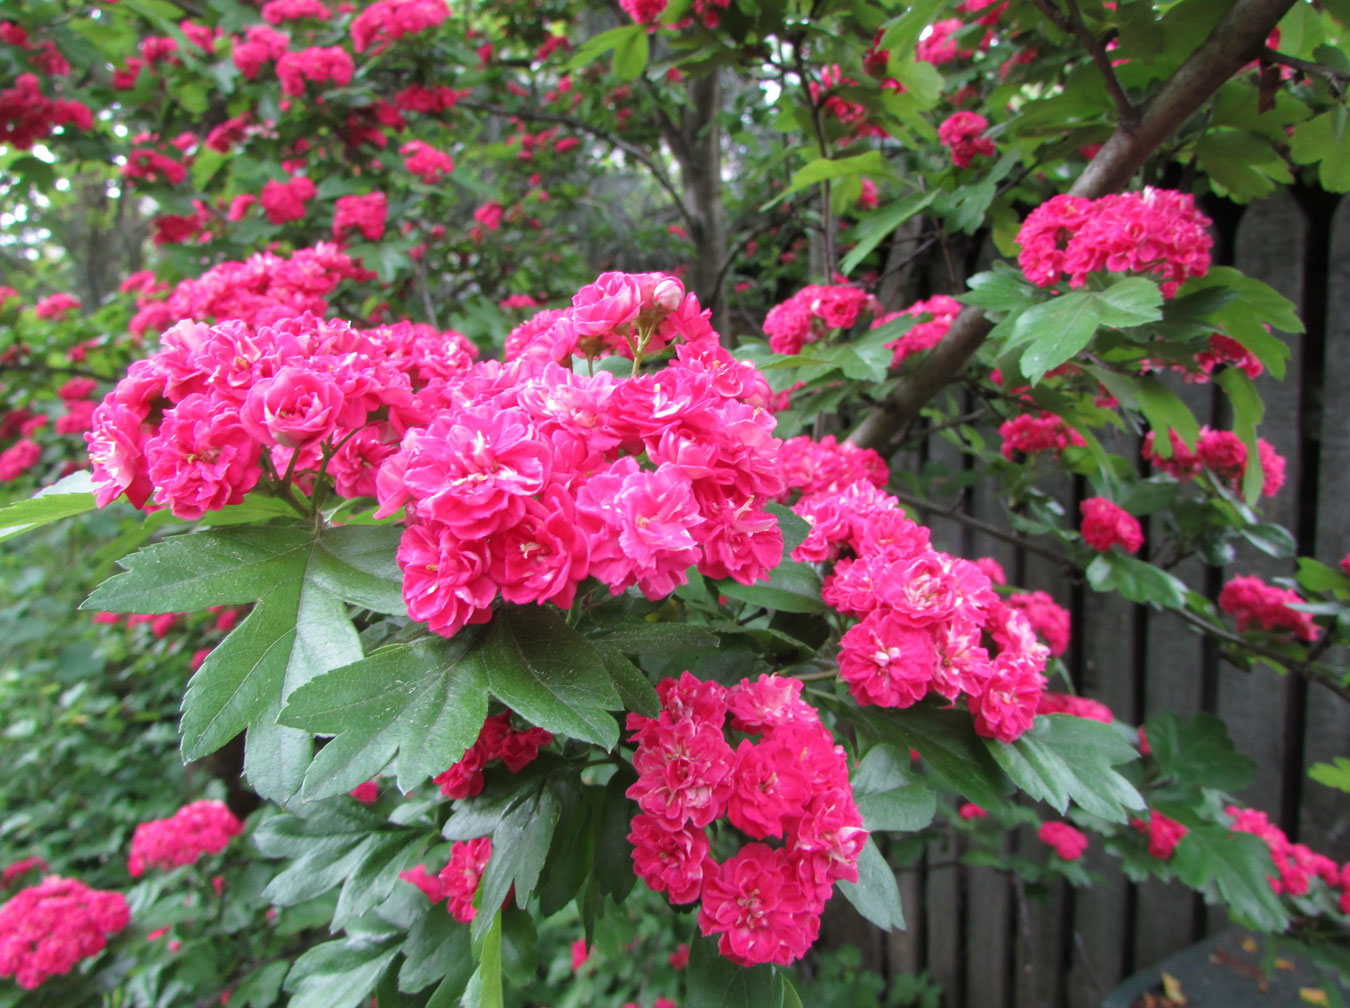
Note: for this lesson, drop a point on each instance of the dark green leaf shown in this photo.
(875, 895)
(646, 637)
(1067, 759)
(876, 225)
(437, 946)
(1164, 412)
(889, 796)
(339, 974)
(1234, 868)
(711, 979)
(613, 868)
(1136, 580)
(1198, 753)
(356, 563)
(573, 849)
(794, 527)
(792, 587)
(420, 702)
(635, 689)
(1248, 411)
(1000, 290)
(549, 674)
(520, 846)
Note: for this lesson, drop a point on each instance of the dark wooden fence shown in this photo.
(972, 929)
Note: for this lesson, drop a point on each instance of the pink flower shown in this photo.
(203, 827)
(612, 301)
(489, 215)
(759, 908)
(1163, 834)
(202, 459)
(961, 132)
(579, 954)
(1256, 604)
(366, 793)
(457, 882)
(365, 213)
(1105, 524)
(57, 306)
(286, 201)
(1049, 619)
(295, 406)
(46, 929)
(971, 811)
(1068, 843)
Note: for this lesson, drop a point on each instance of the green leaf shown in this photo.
(520, 845)
(1055, 330)
(1234, 868)
(888, 795)
(1067, 759)
(589, 51)
(1247, 413)
(792, 587)
(549, 674)
(485, 986)
(572, 850)
(1000, 290)
(421, 703)
(229, 566)
(631, 54)
(437, 947)
(1136, 580)
(1273, 540)
(875, 895)
(946, 742)
(1198, 753)
(1313, 575)
(1164, 412)
(339, 974)
(1324, 140)
(634, 688)
(711, 979)
(794, 527)
(645, 637)
(67, 497)
(873, 228)
(357, 563)
(823, 169)
(1335, 775)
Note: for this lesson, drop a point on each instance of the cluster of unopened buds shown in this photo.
(784, 781)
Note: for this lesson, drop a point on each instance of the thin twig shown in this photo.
(1332, 75)
(951, 514)
(1074, 24)
(636, 153)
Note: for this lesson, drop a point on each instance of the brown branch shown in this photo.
(636, 153)
(1073, 24)
(951, 514)
(1238, 38)
(1334, 77)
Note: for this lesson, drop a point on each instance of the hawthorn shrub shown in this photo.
(498, 416)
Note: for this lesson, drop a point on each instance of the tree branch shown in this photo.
(1238, 38)
(1335, 77)
(1074, 25)
(636, 153)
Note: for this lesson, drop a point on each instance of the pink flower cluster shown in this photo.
(963, 134)
(1047, 617)
(202, 827)
(538, 477)
(426, 162)
(1106, 524)
(47, 928)
(457, 882)
(1255, 604)
(1163, 834)
(1078, 706)
(496, 740)
(644, 12)
(828, 464)
(193, 424)
(287, 201)
(1033, 434)
(937, 46)
(263, 289)
(1156, 232)
(923, 335)
(1296, 863)
(1067, 842)
(386, 21)
(20, 868)
(26, 115)
(790, 784)
(1223, 454)
(811, 312)
(361, 213)
(319, 65)
(929, 622)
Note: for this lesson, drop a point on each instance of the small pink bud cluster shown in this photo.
(539, 478)
(962, 133)
(457, 882)
(203, 827)
(1030, 434)
(1255, 604)
(929, 622)
(365, 214)
(317, 64)
(20, 868)
(810, 313)
(496, 740)
(26, 115)
(1106, 524)
(790, 784)
(644, 12)
(1156, 232)
(426, 162)
(196, 424)
(1223, 454)
(1047, 617)
(923, 335)
(1163, 834)
(937, 46)
(1296, 863)
(1067, 842)
(47, 928)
